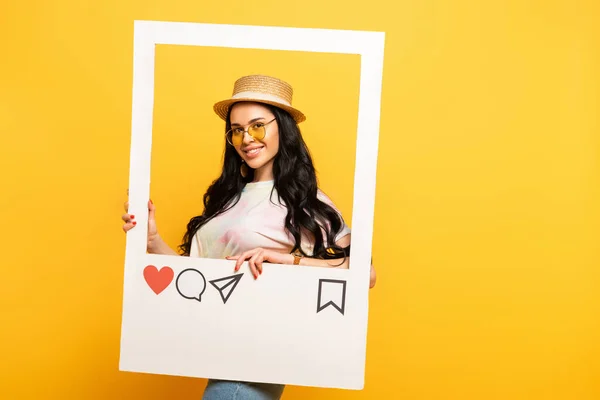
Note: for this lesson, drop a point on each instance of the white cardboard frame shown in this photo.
(282, 327)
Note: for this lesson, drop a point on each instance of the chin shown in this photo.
(255, 164)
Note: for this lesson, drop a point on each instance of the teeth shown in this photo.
(254, 151)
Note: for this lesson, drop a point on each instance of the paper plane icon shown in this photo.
(226, 285)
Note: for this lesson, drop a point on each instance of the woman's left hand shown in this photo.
(257, 256)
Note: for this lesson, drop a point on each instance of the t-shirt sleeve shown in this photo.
(345, 228)
(196, 247)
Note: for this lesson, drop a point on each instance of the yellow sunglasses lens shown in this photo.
(237, 135)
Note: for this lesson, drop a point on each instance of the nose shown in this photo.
(247, 138)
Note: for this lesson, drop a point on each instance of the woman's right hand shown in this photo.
(155, 244)
(130, 222)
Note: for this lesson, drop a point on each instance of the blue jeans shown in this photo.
(230, 390)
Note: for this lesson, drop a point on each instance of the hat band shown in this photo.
(261, 96)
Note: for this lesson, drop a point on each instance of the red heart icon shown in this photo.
(158, 280)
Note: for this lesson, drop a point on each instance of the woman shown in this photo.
(266, 206)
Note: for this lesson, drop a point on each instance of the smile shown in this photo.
(253, 152)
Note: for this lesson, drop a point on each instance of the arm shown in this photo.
(331, 263)
(157, 245)
(256, 257)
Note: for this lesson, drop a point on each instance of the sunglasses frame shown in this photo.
(246, 130)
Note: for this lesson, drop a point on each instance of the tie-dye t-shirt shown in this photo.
(257, 220)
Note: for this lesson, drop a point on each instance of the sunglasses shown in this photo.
(257, 130)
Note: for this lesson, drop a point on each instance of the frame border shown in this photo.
(368, 44)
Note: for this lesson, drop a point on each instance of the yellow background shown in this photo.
(188, 137)
(487, 216)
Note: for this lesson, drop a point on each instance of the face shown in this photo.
(258, 153)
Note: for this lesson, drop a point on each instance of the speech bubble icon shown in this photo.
(191, 284)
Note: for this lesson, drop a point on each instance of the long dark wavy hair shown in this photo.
(296, 184)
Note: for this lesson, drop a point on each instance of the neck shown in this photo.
(264, 173)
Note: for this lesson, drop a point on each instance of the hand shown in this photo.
(257, 256)
(373, 278)
(130, 222)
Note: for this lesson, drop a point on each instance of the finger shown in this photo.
(127, 217)
(238, 263)
(126, 206)
(151, 210)
(252, 264)
(128, 226)
(259, 262)
(240, 260)
(372, 277)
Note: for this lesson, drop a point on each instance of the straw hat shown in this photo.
(261, 89)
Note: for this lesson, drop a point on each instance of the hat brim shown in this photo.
(222, 108)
